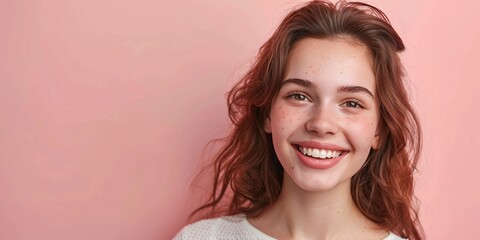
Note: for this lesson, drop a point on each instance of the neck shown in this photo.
(299, 214)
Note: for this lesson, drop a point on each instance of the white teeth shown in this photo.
(323, 153)
(319, 153)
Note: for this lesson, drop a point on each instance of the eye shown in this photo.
(352, 104)
(298, 97)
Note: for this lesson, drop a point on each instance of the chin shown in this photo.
(316, 183)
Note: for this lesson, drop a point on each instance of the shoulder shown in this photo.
(392, 236)
(218, 228)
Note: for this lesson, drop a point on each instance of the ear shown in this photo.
(267, 125)
(376, 140)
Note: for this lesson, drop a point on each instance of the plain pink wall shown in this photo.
(105, 107)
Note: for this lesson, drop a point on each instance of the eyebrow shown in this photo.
(355, 89)
(300, 82)
(344, 88)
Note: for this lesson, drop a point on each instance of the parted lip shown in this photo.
(318, 145)
(319, 160)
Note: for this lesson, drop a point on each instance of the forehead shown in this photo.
(341, 60)
(320, 50)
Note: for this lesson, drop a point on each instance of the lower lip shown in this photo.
(318, 163)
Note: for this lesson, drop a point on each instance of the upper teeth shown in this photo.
(319, 153)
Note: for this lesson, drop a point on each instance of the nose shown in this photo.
(322, 121)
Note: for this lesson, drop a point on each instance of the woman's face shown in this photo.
(324, 119)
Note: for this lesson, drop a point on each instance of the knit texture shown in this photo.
(229, 228)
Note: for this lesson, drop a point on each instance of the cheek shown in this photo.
(362, 130)
(285, 119)
(278, 115)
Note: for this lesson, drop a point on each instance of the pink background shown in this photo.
(105, 107)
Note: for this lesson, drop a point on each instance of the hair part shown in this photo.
(247, 174)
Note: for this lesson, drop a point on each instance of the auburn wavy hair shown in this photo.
(247, 174)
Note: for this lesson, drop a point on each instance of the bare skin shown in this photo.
(307, 215)
(328, 104)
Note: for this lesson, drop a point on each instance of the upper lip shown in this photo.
(318, 145)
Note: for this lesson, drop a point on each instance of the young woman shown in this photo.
(325, 141)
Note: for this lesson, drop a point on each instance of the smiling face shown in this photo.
(324, 118)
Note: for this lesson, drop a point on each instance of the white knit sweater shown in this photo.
(229, 228)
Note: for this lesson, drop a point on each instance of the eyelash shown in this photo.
(356, 104)
(295, 96)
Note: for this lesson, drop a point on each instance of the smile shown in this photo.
(319, 153)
